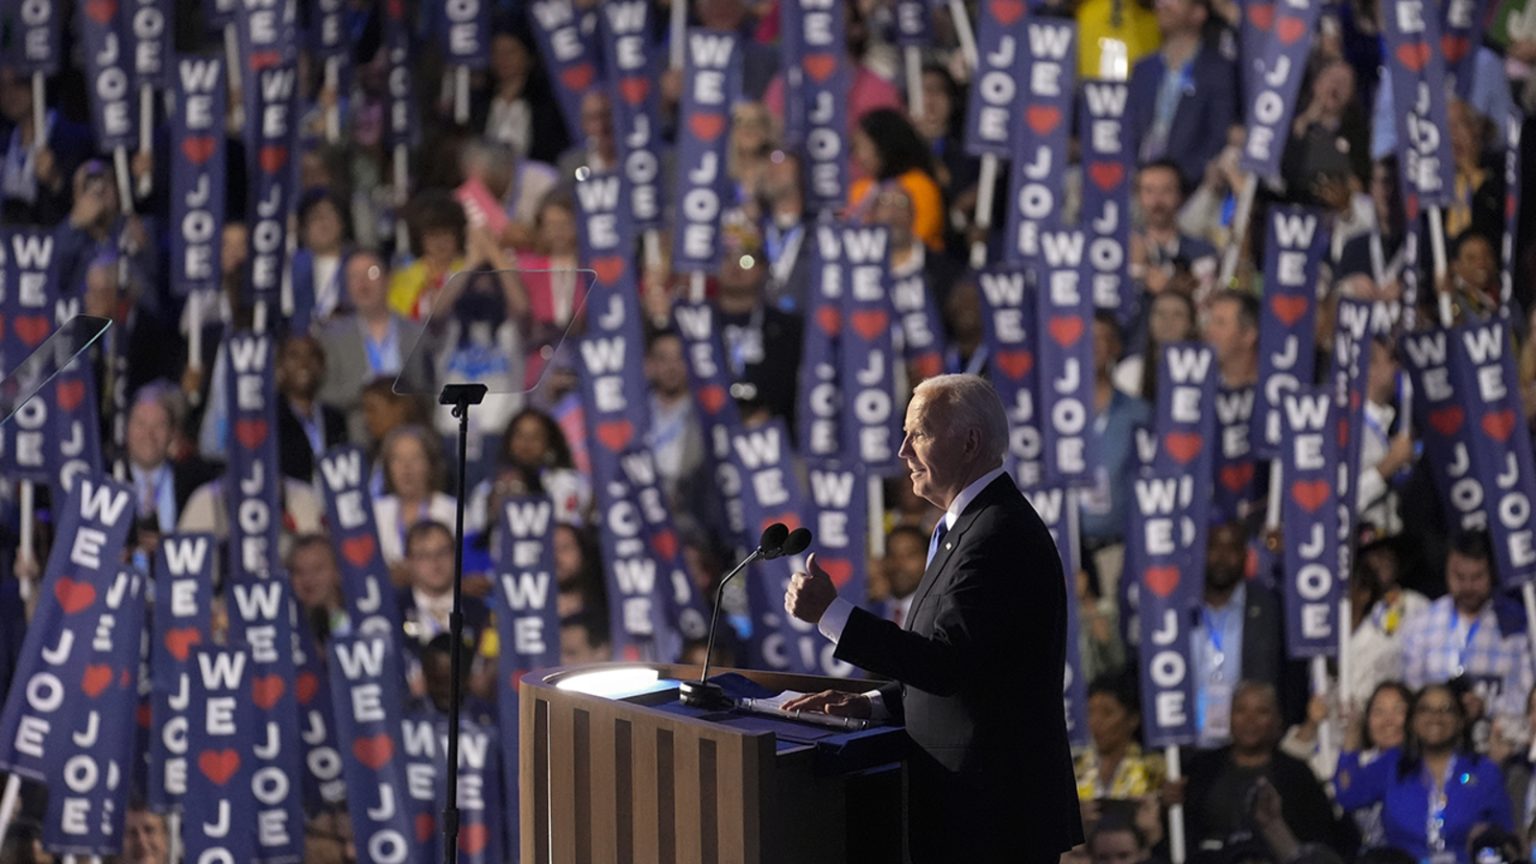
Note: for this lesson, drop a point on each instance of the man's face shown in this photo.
(437, 669)
(1225, 332)
(934, 454)
(1255, 720)
(366, 283)
(1179, 16)
(312, 568)
(1475, 262)
(1469, 581)
(1115, 847)
(300, 368)
(322, 230)
(144, 839)
(893, 209)
(1106, 347)
(1157, 192)
(439, 244)
(596, 119)
(149, 433)
(1225, 557)
(906, 556)
(1170, 320)
(431, 562)
(665, 367)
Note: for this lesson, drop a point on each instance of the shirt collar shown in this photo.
(969, 494)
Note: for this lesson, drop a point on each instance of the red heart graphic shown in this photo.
(712, 399)
(1343, 432)
(1237, 476)
(305, 686)
(665, 544)
(395, 9)
(1411, 205)
(1454, 47)
(70, 394)
(1183, 446)
(264, 60)
(358, 550)
(1290, 29)
(73, 596)
(425, 825)
(927, 366)
(1042, 118)
(273, 158)
(869, 323)
(1066, 330)
(31, 329)
(635, 89)
(96, 679)
(829, 319)
(251, 433)
(1015, 364)
(1310, 494)
(1288, 308)
(199, 148)
(180, 641)
(840, 570)
(608, 269)
(124, 679)
(1499, 424)
(1162, 581)
(577, 77)
(707, 127)
(1006, 11)
(1261, 15)
(1414, 56)
(1106, 175)
(101, 11)
(266, 690)
(375, 752)
(820, 66)
(218, 765)
(472, 839)
(615, 434)
(1447, 420)
(143, 715)
(1511, 207)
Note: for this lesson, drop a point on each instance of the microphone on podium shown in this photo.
(776, 541)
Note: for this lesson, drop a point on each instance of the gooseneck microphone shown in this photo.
(777, 540)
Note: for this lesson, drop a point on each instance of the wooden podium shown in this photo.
(639, 778)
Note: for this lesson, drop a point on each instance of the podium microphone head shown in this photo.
(772, 540)
(797, 541)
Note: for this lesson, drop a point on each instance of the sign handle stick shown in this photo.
(986, 189)
(1176, 812)
(146, 135)
(124, 180)
(402, 180)
(1345, 618)
(652, 238)
(677, 25)
(26, 549)
(8, 802)
(1320, 688)
(195, 334)
(1437, 255)
(1240, 221)
(876, 517)
(232, 62)
(964, 34)
(173, 829)
(461, 94)
(39, 111)
(696, 286)
(1272, 514)
(912, 56)
(333, 113)
(1528, 593)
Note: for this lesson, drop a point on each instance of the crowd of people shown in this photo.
(1424, 753)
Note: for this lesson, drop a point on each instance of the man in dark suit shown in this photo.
(978, 667)
(306, 427)
(1184, 96)
(161, 486)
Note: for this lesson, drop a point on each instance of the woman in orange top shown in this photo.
(888, 149)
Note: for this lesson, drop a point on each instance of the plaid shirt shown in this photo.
(1437, 648)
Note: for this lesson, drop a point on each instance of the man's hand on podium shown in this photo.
(810, 594)
(839, 703)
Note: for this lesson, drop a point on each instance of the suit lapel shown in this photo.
(947, 546)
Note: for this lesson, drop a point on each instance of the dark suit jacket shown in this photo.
(294, 456)
(980, 677)
(1206, 108)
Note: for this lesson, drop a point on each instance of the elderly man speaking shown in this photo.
(979, 666)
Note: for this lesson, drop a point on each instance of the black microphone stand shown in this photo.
(460, 396)
(701, 693)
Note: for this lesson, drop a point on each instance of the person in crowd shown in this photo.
(437, 678)
(889, 152)
(675, 436)
(906, 557)
(1473, 280)
(598, 149)
(319, 262)
(438, 230)
(1461, 634)
(1184, 96)
(1236, 637)
(1380, 605)
(584, 639)
(1157, 245)
(1383, 452)
(750, 149)
(34, 187)
(867, 90)
(1381, 727)
(316, 579)
(427, 597)
(306, 427)
(383, 411)
(909, 254)
(1232, 331)
(1116, 416)
(1113, 770)
(503, 189)
(162, 486)
(1210, 208)
(962, 319)
(534, 459)
(578, 571)
(1219, 795)
(787, 240)
(23, 843)
(942, 125)
(505, 112)
(414, 477)
(370, 341)
(1330, 135)
(1170, 319)
(1479, 201)
(1282, 844)
(1116, 842)
(1511, 751)
(762, 342)
(1433, 790)
(145, 838)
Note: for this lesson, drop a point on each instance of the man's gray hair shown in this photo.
(969, 402)
(165, 394)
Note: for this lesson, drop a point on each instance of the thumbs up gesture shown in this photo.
(809, 594)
